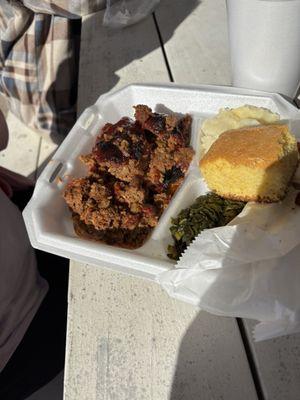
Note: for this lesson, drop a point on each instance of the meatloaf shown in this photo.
(134, 169)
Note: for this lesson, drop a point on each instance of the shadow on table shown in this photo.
(105, 51)
(188, 378)
(198, 375)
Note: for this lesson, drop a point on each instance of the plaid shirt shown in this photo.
(39, 58)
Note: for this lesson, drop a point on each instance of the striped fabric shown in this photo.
(39, 58)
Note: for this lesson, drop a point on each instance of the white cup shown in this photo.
(264, 37)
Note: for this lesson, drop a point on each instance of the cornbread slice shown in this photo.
(251, 164)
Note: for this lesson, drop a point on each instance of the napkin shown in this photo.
(249, 268)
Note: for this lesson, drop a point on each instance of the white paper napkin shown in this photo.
(249, 268)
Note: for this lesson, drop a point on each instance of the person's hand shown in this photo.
(3, 132)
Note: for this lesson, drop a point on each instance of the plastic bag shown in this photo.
(122, 13)
(249, 268)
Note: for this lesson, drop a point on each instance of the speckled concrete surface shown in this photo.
(128, 340)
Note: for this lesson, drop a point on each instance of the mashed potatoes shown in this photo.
(233, 118)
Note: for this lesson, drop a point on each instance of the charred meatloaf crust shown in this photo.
(134, 169)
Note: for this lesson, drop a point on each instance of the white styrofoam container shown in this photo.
(47, 218)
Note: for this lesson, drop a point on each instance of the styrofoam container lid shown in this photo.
(47, 217)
